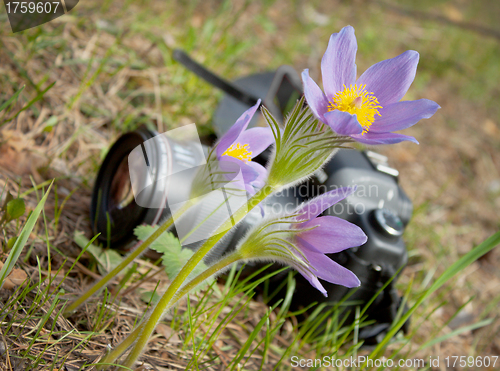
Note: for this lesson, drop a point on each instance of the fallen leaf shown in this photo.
(490, 128)
(453, 13)
(16, 278)
(164, 330)
(168, 333)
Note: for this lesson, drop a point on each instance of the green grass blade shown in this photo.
(455, 268)
(34, 100)
(243, 351)
(11, 99)
(458, 331)
(22, 239)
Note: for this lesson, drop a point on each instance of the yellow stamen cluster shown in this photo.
(356, 100)
(238, 151)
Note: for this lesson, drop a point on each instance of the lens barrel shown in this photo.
(113, 210)
(135, 179)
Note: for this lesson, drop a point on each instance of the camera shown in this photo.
(383, 210)
(379, 206)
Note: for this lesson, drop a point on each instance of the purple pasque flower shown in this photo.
(322, 235)
(240, 146)
(367, 109)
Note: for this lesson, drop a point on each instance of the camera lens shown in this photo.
(121, 190)
(388, 222)
(114, 212)
(140, 170)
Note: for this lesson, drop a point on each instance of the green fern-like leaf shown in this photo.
(174, 256)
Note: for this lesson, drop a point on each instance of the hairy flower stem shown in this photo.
(158, 311)
(134, 254)
(111, 357)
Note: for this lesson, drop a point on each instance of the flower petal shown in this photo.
(227, 163)
(251, 190)
(326, 268)
(371, 138)
(389, 80)
(239, 126)
(313, 280)
(317, 205)
(261, 174)
(338, 66)
(258, 139)
(317, 101)
(402, 115)
(332, 234)
(343, 123)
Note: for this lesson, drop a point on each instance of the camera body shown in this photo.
(380, 207)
